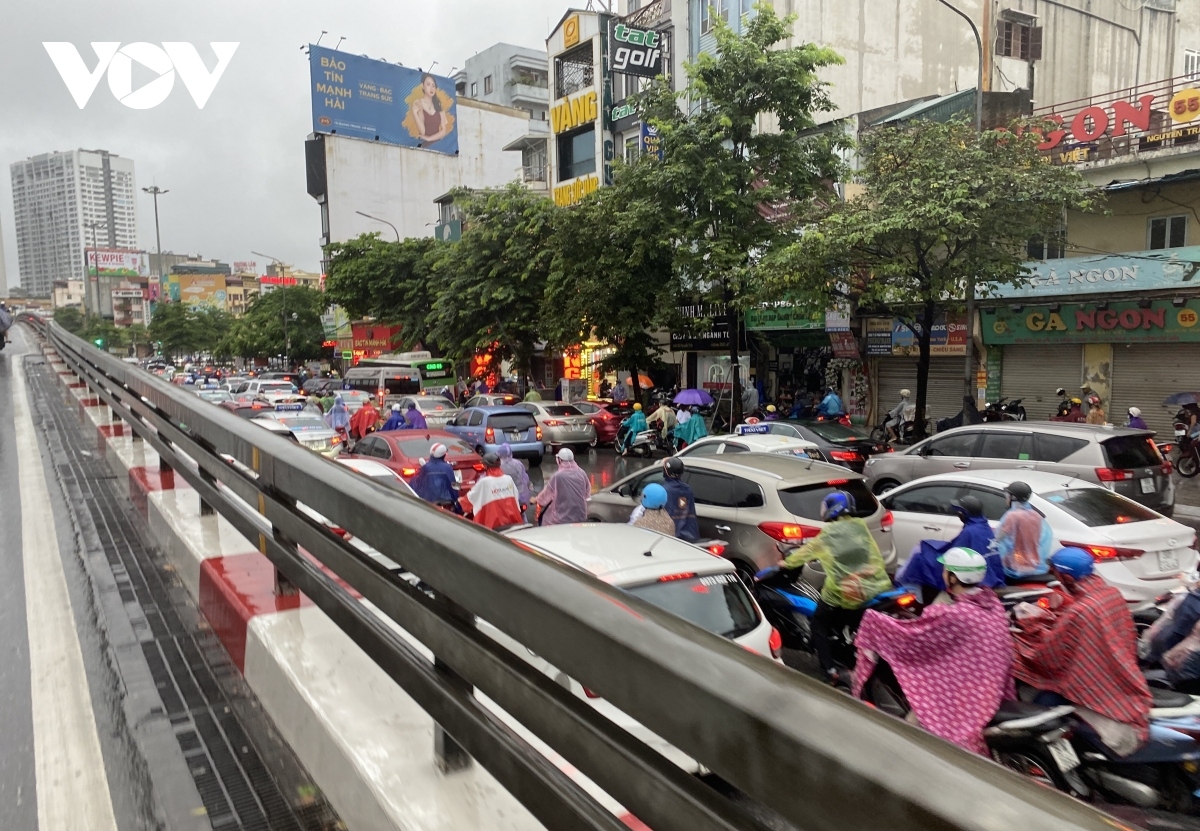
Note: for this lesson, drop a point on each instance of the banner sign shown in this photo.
(635, 51)
(378, 101)
(651, 141)
(879, 337)
(778, 316)
(844, 344)
(715, 337)
(891, 337)
(1170, 268)
(1126, 322)
(117, 262)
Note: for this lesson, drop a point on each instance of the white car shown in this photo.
(310, 431)
(438, 411)
(752, 443)
(1138, 551)
(274, 391)
(676, 576)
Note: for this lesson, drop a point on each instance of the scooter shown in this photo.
(643, 443)
(1188, 463)
(905, 433)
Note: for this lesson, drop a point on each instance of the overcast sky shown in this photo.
(236, 168)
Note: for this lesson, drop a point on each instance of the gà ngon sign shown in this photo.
(1095, 121)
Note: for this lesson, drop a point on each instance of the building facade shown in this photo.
(66, 203)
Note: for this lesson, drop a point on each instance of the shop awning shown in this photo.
(1169, 179)
(938, 109)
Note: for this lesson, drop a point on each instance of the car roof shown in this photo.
(616, 553)
(1099, 431)
(764, 441)
(400, 435)
(495, 408)
(1039, 480)
(771, 467)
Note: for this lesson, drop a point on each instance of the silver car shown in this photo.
(1122, 459)
(753, 502)
(438, 411)
(562, 424)
(309, 431)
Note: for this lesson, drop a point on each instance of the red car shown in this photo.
(402, 450)
(606, 422)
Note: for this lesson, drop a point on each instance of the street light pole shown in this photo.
(969, 349)
(155, 191)
(384, 221)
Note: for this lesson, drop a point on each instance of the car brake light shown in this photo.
(716, 548)
(539, 433)
(887, 521)
(776, 643)
(906, 600)
(408, 471)
(1106, 552)
(845, 455)
(788, 531)
(683, 575)
(890, 450)
(1167, 467)
(489, 435)
(1110, 474)
(336, 440)
(551, 422)
(836, 482)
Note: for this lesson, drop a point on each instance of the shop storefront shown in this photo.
(893, 355)
(798, 349)
(1133, 353)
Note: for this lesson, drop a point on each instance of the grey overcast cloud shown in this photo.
(235, 169)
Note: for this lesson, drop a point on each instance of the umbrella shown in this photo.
(697, 398)
(1179, 399)
(645, 382)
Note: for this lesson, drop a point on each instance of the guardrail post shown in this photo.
(163, 465)
(205, 508)
(448, 754)
(283, 586)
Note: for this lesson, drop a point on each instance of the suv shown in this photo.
(752, 502)
(1122, 459)
(486, 428)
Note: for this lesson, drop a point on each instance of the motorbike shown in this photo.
(1003, 410)
(1188, 463)
(905, 433)
(643, 443)
(969, 414)
(1064, 405)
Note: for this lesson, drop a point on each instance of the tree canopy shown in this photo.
(390, 281)
(285, 321)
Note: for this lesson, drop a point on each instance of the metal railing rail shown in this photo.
(811, 754)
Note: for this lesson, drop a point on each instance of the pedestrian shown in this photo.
(564, 499)
(533, 395)
(519, 475)
(1135, 419)
(395, 420)
(605, 388)
(620, 393)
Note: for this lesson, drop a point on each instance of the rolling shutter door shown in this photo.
(1032, 374)
(1143, 374)
(944, 395)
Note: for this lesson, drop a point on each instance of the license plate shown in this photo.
(1064, 755)
(458, 476)
(1148, 485)
(514, 436)
(1168, 561)
(1180, 433)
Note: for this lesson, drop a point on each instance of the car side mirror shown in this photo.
(923, 450)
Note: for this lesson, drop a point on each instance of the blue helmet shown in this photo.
(836, 504)
(654, 497)
(1073, 562)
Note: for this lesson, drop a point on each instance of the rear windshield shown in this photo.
(428, 403)
(806, 501)
(420, 448)
(1131, 451)
(305, 423)
(833, 431)
(511, 421)
(1095, 507)
(271, 386)
(716, 602)
(563, 410)
(401, 385)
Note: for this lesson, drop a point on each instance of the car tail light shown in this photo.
(835, 482)
(788, 531)
(906, 600)
(489, 436)
(1167, 467)
(1111, 474)
(477, 467)
(1106, 552)
(889, 449)
(539, 433)
(551, 422)
(887, 521)
(683, 575)
(336, 440)
(408, 471)
(589, 693)
(776, 643)
(716, 549)
(845, 455)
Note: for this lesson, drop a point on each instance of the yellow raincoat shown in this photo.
(854, 568)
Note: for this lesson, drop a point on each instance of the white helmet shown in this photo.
(905, 393)
(968, 566)
(438, 451)
(565, 455)
(1135, 412)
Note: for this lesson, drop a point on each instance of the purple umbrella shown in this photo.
(693, 398)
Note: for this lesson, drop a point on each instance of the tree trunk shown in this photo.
(923, 365)
(635, 382)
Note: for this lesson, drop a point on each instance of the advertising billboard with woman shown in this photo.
(377, 101)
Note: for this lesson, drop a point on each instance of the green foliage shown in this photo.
(102, 333)
(390, 281)
(939, 202)
(492, 282)
(268, 327)
(69, 318)
(176, 328)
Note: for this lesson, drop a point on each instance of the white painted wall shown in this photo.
(399, 184)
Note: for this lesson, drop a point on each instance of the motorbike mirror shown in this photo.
(1060, 391)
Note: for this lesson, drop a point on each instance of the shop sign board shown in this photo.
(714, 337)
(635, 51)
(879, 336)
(1160, 321)
(892, 337)
(778, 316)
(1166, 269)
(844, 344)
(1074, 136)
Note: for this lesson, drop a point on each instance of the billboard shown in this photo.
(378, 101)
(636, 51)
(117, 262)
(197, 289)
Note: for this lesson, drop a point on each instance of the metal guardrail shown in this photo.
(818, 758)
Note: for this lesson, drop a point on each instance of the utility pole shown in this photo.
(92, 226)
(155, 191)
(969, 347)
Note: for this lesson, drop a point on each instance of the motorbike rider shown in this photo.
(831, 405)
(665, 416)
(923, 571)
(493, 501)
(434, 482)
(395, 420)
(564, 499)
(854, 572)
(954, 662)
(520, 476)
(630, 428)
(1135, 419)
(413, 418)
(1075, 412)
(1086, 654)
(1174, 639)
(1024, 538)
(899, 415)
(652, 513)
(1096, 414)
(772, 413)
(681, 502)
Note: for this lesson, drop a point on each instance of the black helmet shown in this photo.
(491, 460)
(969, 505)
(1020, 491)
(673, 467)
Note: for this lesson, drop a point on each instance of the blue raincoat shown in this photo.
(923, 568)
(435, 483)
(395, 422)
(338, 417)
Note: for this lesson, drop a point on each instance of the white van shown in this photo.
(382, 381)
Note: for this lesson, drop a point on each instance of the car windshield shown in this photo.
(563, 410)
(420, 448)
(275, 386)
(511, 421)
(1096, 507)
(304, 423)
(833, 431)
(716, 602)
(805, 501)
(431, 403)
(1131, 451)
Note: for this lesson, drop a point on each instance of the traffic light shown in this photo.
(99, 342)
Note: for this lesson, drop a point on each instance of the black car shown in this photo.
(840, 445)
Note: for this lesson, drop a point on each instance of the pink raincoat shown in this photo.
(953, 663)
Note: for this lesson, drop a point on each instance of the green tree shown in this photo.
(214, 326)
(612, 276)
(102, 333)
(70, 318)
(286, 321)
(736, 165)
(939, 202)
(492, 282)
(175, 328)
(392, 282)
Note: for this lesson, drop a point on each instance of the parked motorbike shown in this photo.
(1188, 463)
(969, 414)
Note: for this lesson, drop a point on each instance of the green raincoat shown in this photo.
(854, 569)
